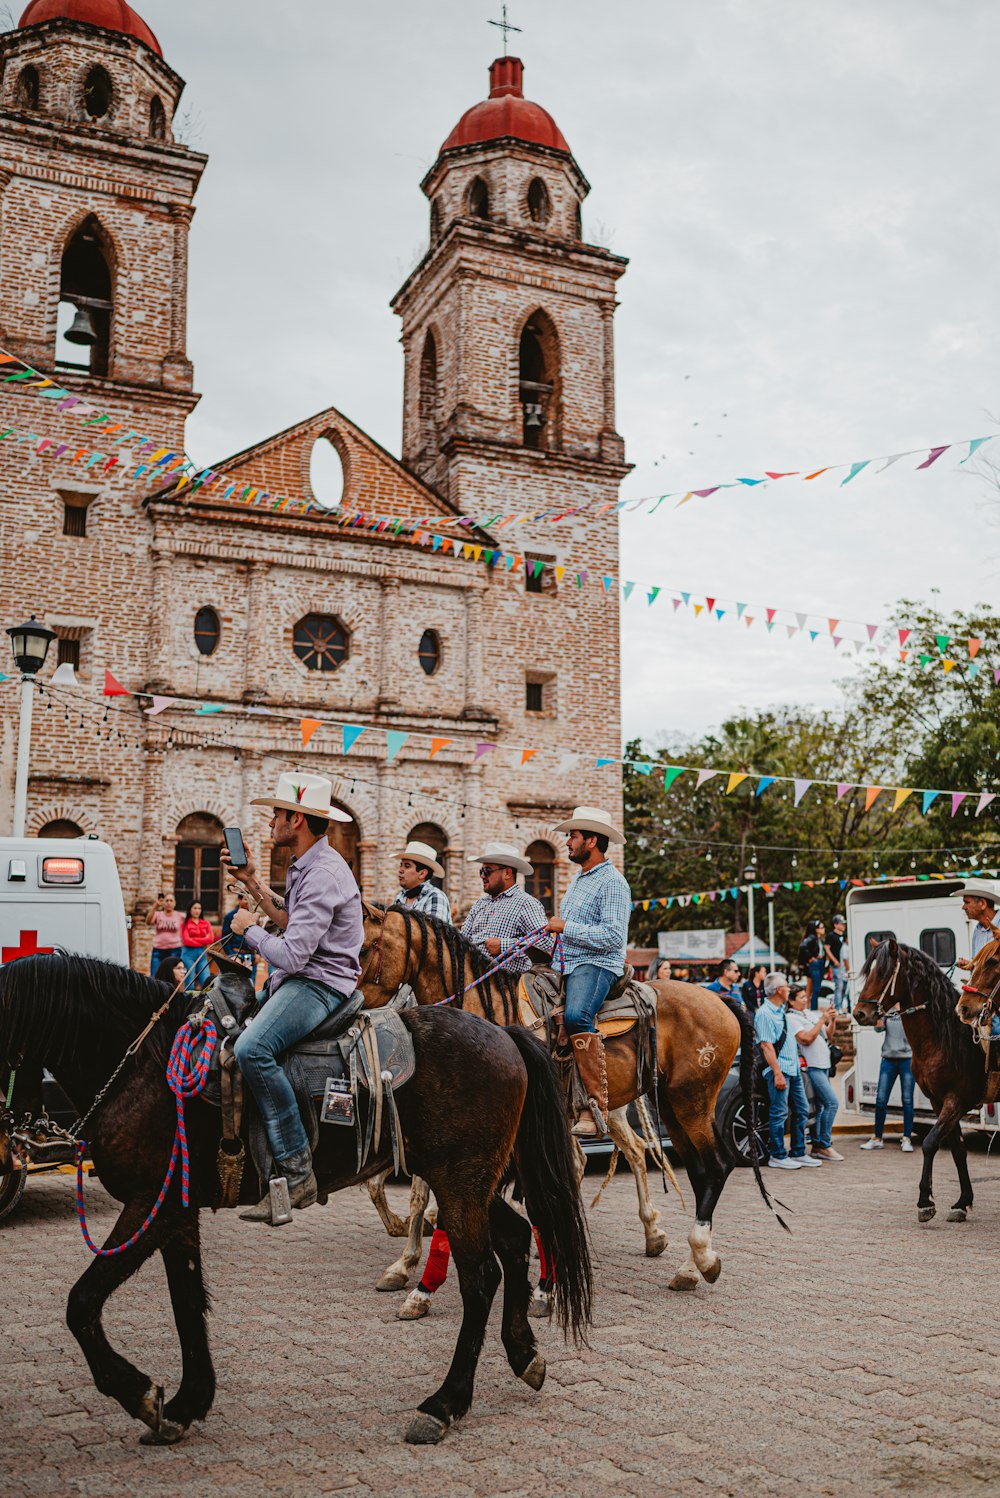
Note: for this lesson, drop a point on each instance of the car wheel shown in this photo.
(11, 1187)
(734, 1126)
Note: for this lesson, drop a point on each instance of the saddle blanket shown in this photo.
(540, 991)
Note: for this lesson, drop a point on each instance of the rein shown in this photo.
(520, 945)
(889, 992)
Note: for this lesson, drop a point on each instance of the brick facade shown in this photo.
(129, 589)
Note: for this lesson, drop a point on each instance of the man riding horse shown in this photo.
(314, 965)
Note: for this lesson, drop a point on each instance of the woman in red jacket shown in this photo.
(196, 936)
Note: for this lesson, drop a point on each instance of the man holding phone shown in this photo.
(314, 961)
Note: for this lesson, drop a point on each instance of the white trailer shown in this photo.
(925, 915)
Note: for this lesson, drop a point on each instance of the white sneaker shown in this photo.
(873, 1144)
(786, 1164)
(809, 1160)
(906, 1145)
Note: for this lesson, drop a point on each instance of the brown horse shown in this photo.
(977, 1003)
(947, 1066)
(698, 1034)
(482, 1101)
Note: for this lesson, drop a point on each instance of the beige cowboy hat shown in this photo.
(591, 819)
(504, 854)
(425, 854)
(979, 889)
(309, 794)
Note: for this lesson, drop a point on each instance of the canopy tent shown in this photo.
(761, 953)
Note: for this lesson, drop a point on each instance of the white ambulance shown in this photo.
(926, 915)
(57, 895)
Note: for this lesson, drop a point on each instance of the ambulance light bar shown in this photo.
(62, 870)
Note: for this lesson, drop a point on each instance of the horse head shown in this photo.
(982, 991)
(881, 973)
(384, 955)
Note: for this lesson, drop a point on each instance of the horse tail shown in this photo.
(749, 1100)
(546, 1168)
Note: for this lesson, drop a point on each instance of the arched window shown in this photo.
(157, 119)
(344, 836)
(435, 837)
(435, 221)
(320, 642)
(478, 199)
(26, 89)
(578, 221)
(539, 202)
(61, 827)
(206, 631)
(196, 863)
(85, 301)
(541, 882)
(97, 93)
(326, 473)
(538, 382)
(429, 652)
(428, 392)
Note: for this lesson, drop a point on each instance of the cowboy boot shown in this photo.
(588, 1053)
(302, 1187)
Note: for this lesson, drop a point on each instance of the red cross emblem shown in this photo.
(27, 947)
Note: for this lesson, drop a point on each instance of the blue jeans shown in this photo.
(891, 1068)
(777, 1113)
(841, 996)
(299, 1005)
(586, 989)
(826, 1107)
(815, 971)
(169, 955)
(199, 974)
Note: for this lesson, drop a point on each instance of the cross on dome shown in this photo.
(504, 25)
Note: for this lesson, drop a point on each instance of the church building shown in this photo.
(428, 676)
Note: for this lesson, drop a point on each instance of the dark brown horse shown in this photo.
(482, 1100)
(947, 1065)
(697, 1036)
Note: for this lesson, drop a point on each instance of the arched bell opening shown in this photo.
(538, 383)
(86, 301)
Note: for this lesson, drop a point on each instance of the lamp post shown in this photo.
(30, 643)
(750, 874)
(770, 926)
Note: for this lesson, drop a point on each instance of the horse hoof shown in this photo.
(711, 1274)
(656, 1245)
(540, 1304)
(165, 1434)
(957, 1214)
(425, 1430)
(393, 1279)
(534, 1374)
(924, 1214)
(682, 1281)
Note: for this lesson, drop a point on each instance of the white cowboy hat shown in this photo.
(504, 854)
(309, 794)
(591, 819)
(979, 889)
(425, 854)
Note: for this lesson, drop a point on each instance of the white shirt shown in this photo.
(818, 1053)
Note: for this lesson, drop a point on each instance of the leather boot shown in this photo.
(302, 1188)
(588, 1053)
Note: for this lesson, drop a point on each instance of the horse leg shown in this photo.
(182, 1261)
(393, 1224)
(397, 1276)
(635, 1153)
(960, 1155)
(945, 1122)
(511, 1234)
(694, 1136)
(478, 1277)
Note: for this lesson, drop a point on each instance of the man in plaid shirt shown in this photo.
(417, 862)
(506, 911)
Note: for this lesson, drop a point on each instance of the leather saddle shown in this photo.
(540, 998)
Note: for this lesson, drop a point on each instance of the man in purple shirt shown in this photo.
(314, 966)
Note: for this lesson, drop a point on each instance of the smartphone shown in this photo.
(234, 847)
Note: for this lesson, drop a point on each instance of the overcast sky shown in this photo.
(806, 193)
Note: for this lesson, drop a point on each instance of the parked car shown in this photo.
(734, 1126)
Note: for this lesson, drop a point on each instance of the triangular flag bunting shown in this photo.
(833, 625)
(437, 744)
(900, 797)
(801, 786)
(482, 749)
(984, 800)
(704, 776)
(642, 766)
(670, 774)
(943, 641)
(307, 727)
(740, 610)
(933, 456)
(159, 703)
(904, 635)
(113, 687)
(974, 648)
(927, 800)
(394, 741)
(652, 595)
(764, 782)
(735, 779)
(872, 793)
(842, 789)
(351, 732)
(957, 797)
(526, 755)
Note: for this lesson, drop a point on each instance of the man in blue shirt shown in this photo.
(725, 981)
(979, 902)
(593, 923)
(783, 1075)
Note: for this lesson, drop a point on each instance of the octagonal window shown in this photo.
(320, 642)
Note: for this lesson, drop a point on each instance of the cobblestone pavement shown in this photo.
(857, 1355)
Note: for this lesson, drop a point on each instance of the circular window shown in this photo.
(429, 652)
(320, 642)
(206, 631)
(97, 93)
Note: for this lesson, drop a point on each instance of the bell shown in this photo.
(532, 415)
(82, 330)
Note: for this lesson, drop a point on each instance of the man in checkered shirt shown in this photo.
(506, 911)
(417, 863)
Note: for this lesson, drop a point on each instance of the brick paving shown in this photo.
(848, 1357)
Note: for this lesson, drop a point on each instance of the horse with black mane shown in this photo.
(482, 1101)
(947, 1065)
(698, 1034)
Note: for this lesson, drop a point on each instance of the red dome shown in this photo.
(113, 15)
(507, 113)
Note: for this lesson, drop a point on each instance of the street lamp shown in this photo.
(770, 924)
(30, 643)
(750, 874)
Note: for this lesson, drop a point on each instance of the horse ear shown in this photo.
(893, 946)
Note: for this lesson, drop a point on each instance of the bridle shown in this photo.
(889, 992)
(982, 1021)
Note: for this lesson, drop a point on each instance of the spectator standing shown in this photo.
(752, 991)
(197, 934)
(812, 1029)
(783, 1075)
(725, 980)
(836, 953)
(169, 922)
(812, 957)
(896, 1055)
(172, 972)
